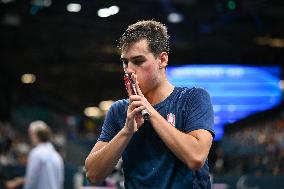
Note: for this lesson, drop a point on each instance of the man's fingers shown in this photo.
(138, 89)
(137, 85)
(128, 88)
(137, 111)
(133, 98)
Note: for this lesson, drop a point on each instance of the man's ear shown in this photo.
(163, 60)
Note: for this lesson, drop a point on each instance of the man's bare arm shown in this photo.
(192, 148)
(105, 155)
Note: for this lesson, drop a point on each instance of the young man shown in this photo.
(170, 149)
(45, 168)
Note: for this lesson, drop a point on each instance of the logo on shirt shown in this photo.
(171, 118)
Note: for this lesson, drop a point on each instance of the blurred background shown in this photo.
(59, 63)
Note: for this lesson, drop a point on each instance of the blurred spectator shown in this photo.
(257, 150)
(45, 169)
(6, 139)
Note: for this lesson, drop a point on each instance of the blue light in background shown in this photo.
(236, 91)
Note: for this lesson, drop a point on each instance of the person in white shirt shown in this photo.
(45, 167)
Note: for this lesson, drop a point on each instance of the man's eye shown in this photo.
(138, 62)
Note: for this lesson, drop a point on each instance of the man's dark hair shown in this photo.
(154, 32)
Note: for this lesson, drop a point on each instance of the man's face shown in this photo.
(138, 59)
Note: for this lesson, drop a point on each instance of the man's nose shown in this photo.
(129, 69)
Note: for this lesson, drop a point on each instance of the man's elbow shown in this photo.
(93, 177)
(196, 163)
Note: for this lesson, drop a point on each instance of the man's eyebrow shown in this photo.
(139, 56)
(132, 58)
